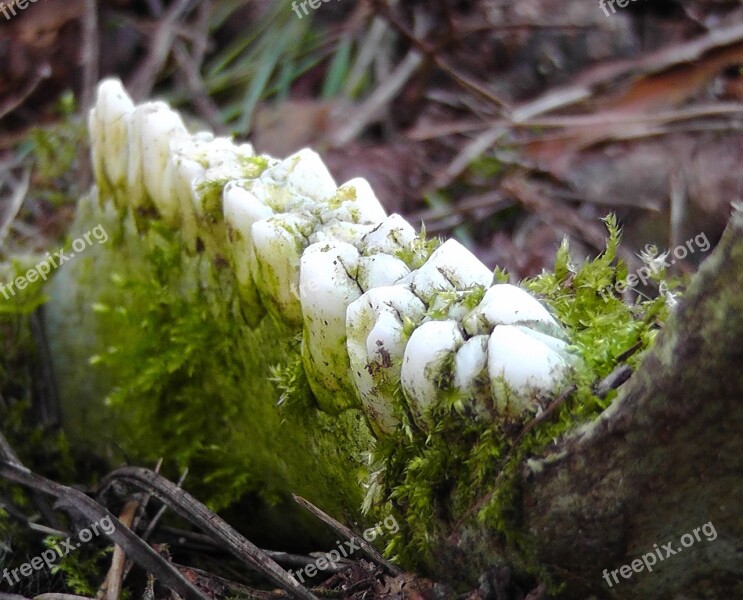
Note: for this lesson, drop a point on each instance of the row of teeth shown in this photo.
(329, 260)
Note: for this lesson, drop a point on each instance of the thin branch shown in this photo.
(194, 511)
(340, 528)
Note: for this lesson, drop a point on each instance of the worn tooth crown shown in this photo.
(379, 330)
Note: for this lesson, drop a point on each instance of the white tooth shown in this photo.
(392, 235)
(376, 343)
(526, 364)
(379, 270)
(327, 287)
(114, 112)
(242, 209)
(135, 172)
(355, 202)
(278, 243)
(160, 128)
(427, 365)
(450, 267)
(341, 231)
(305, 173)
(186, 172)
(506, 304)
(470, 364)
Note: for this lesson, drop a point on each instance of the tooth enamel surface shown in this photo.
(525, 363)
(354, 202)
(380, 270)
(506, 304)
(327, 285)
(110, 124)
(428, 364)
(277, 244)
(450, 267)
(470, 365)
(392, 235)
(376, 342)
(342, 231)
(306, 174)
(327, 260)
(160, 127)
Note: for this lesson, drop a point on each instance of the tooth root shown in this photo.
(354, 202)
(526, 364)
(327, 287)
(505, 304)
(450, 267)
(277, 244)
(428, 364)
(376, 344)
(380, 270)
(392, 235)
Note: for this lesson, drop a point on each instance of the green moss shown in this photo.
(186, 378)
(433, 479)
(417, 253)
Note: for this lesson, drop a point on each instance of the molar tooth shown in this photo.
(450, 267)
(506, 304)
(114, 110)
(327, 287)
(136, 193)
(160, 127)
(355, 202)
(241, 209)
(305, 173)
(392, 235)
(342, 231)
(380, 270)
(427, 365)
(277, 244)
(526, 364)
(376, 343)
(470, 362)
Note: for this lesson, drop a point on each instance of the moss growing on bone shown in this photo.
(193, 381)
(434, 477)
(418, 252)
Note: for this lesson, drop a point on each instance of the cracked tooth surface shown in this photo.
(506, 304)
(450, 267)
(392, 235)
(427, 365)
(328, 272)
(376, 343)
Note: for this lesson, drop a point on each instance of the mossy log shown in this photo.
(277, 334)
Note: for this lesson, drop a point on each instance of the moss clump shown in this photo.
(464, 468)
(178, 372)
